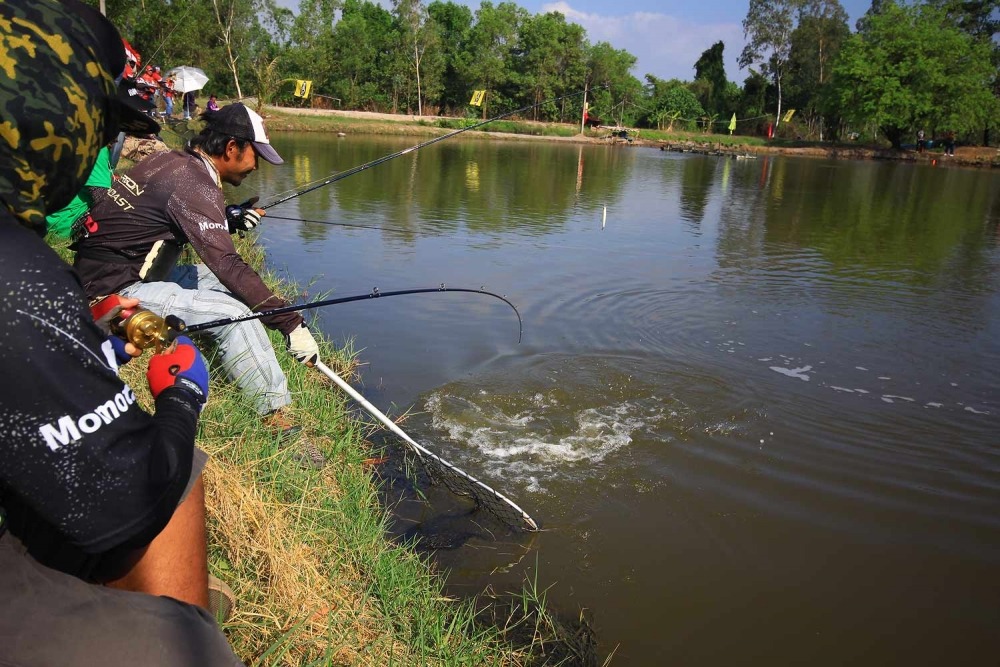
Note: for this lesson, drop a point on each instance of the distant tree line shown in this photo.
(931, 64)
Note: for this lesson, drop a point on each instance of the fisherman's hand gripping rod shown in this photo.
(145, 329)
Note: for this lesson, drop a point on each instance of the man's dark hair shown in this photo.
(214, 143)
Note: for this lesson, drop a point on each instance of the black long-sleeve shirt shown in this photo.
(85, 473)
(175, 198)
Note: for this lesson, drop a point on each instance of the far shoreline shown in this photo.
(292, 119)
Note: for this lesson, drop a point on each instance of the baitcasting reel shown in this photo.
(139, 326)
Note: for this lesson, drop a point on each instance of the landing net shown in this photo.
(454, 479)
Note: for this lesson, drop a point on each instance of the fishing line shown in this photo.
(374, 294)
(385, 158)
(177, 24)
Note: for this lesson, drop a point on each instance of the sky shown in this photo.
(667, 36)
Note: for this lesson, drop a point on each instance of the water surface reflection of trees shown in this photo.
(526, 188)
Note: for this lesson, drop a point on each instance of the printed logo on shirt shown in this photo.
(123, 203)
(213, 226)
(69, 429)
(130, 185)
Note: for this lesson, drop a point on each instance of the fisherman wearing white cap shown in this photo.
(173, 198)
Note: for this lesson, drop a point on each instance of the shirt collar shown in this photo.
(210, 166)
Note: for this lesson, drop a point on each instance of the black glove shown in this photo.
(242, 217)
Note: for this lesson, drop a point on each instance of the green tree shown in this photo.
(911, 68)
(487, 61)
(309, 54)
(613, 89)
(454, 22)
(822, 29)
(168, 34)
(222, 37)
(711, 69)
(977, 18)
(753, 98)
(768, 29)
(232, 20)
(673, 101)
(360, 49)
(551, 61)
(981, 20)
(419, 37)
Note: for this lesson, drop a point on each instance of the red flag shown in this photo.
(132, 60)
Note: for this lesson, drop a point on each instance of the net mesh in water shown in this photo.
(455, 480)
(461, 483)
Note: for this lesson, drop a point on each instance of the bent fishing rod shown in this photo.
(374, 294)
(145, 329)
(385, 158)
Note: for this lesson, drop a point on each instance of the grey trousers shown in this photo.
(194, 294)
(49, 618)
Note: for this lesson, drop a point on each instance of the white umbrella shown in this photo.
(187, 78)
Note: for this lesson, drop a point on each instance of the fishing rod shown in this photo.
(145, 329)
(374, 294)
(385, 158)
(177, 24)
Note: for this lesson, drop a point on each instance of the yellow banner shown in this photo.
(477, 98)
(302, 88)
(788, 116)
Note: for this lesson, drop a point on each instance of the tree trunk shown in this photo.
(777, 121)
(821, 85)
(226, 33)
(416, 60)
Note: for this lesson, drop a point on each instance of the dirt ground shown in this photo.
(969, 156)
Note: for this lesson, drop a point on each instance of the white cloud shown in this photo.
(665, 46)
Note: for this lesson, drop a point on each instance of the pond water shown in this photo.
(755, 407)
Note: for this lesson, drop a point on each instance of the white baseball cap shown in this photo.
(241, 122)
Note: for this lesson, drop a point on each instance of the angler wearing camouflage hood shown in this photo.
(92, 489)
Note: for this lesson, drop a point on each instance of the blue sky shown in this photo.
(667, 37)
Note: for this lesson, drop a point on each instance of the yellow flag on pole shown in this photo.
(732, 123)
(302, 88)
(788, 116)
(477, 98)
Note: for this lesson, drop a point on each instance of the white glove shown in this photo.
(302, 345)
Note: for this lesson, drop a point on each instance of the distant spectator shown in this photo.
(213, 104)
(147, 84)
(168, 95)
(920, 141)
(949, 142)
(189, 105)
